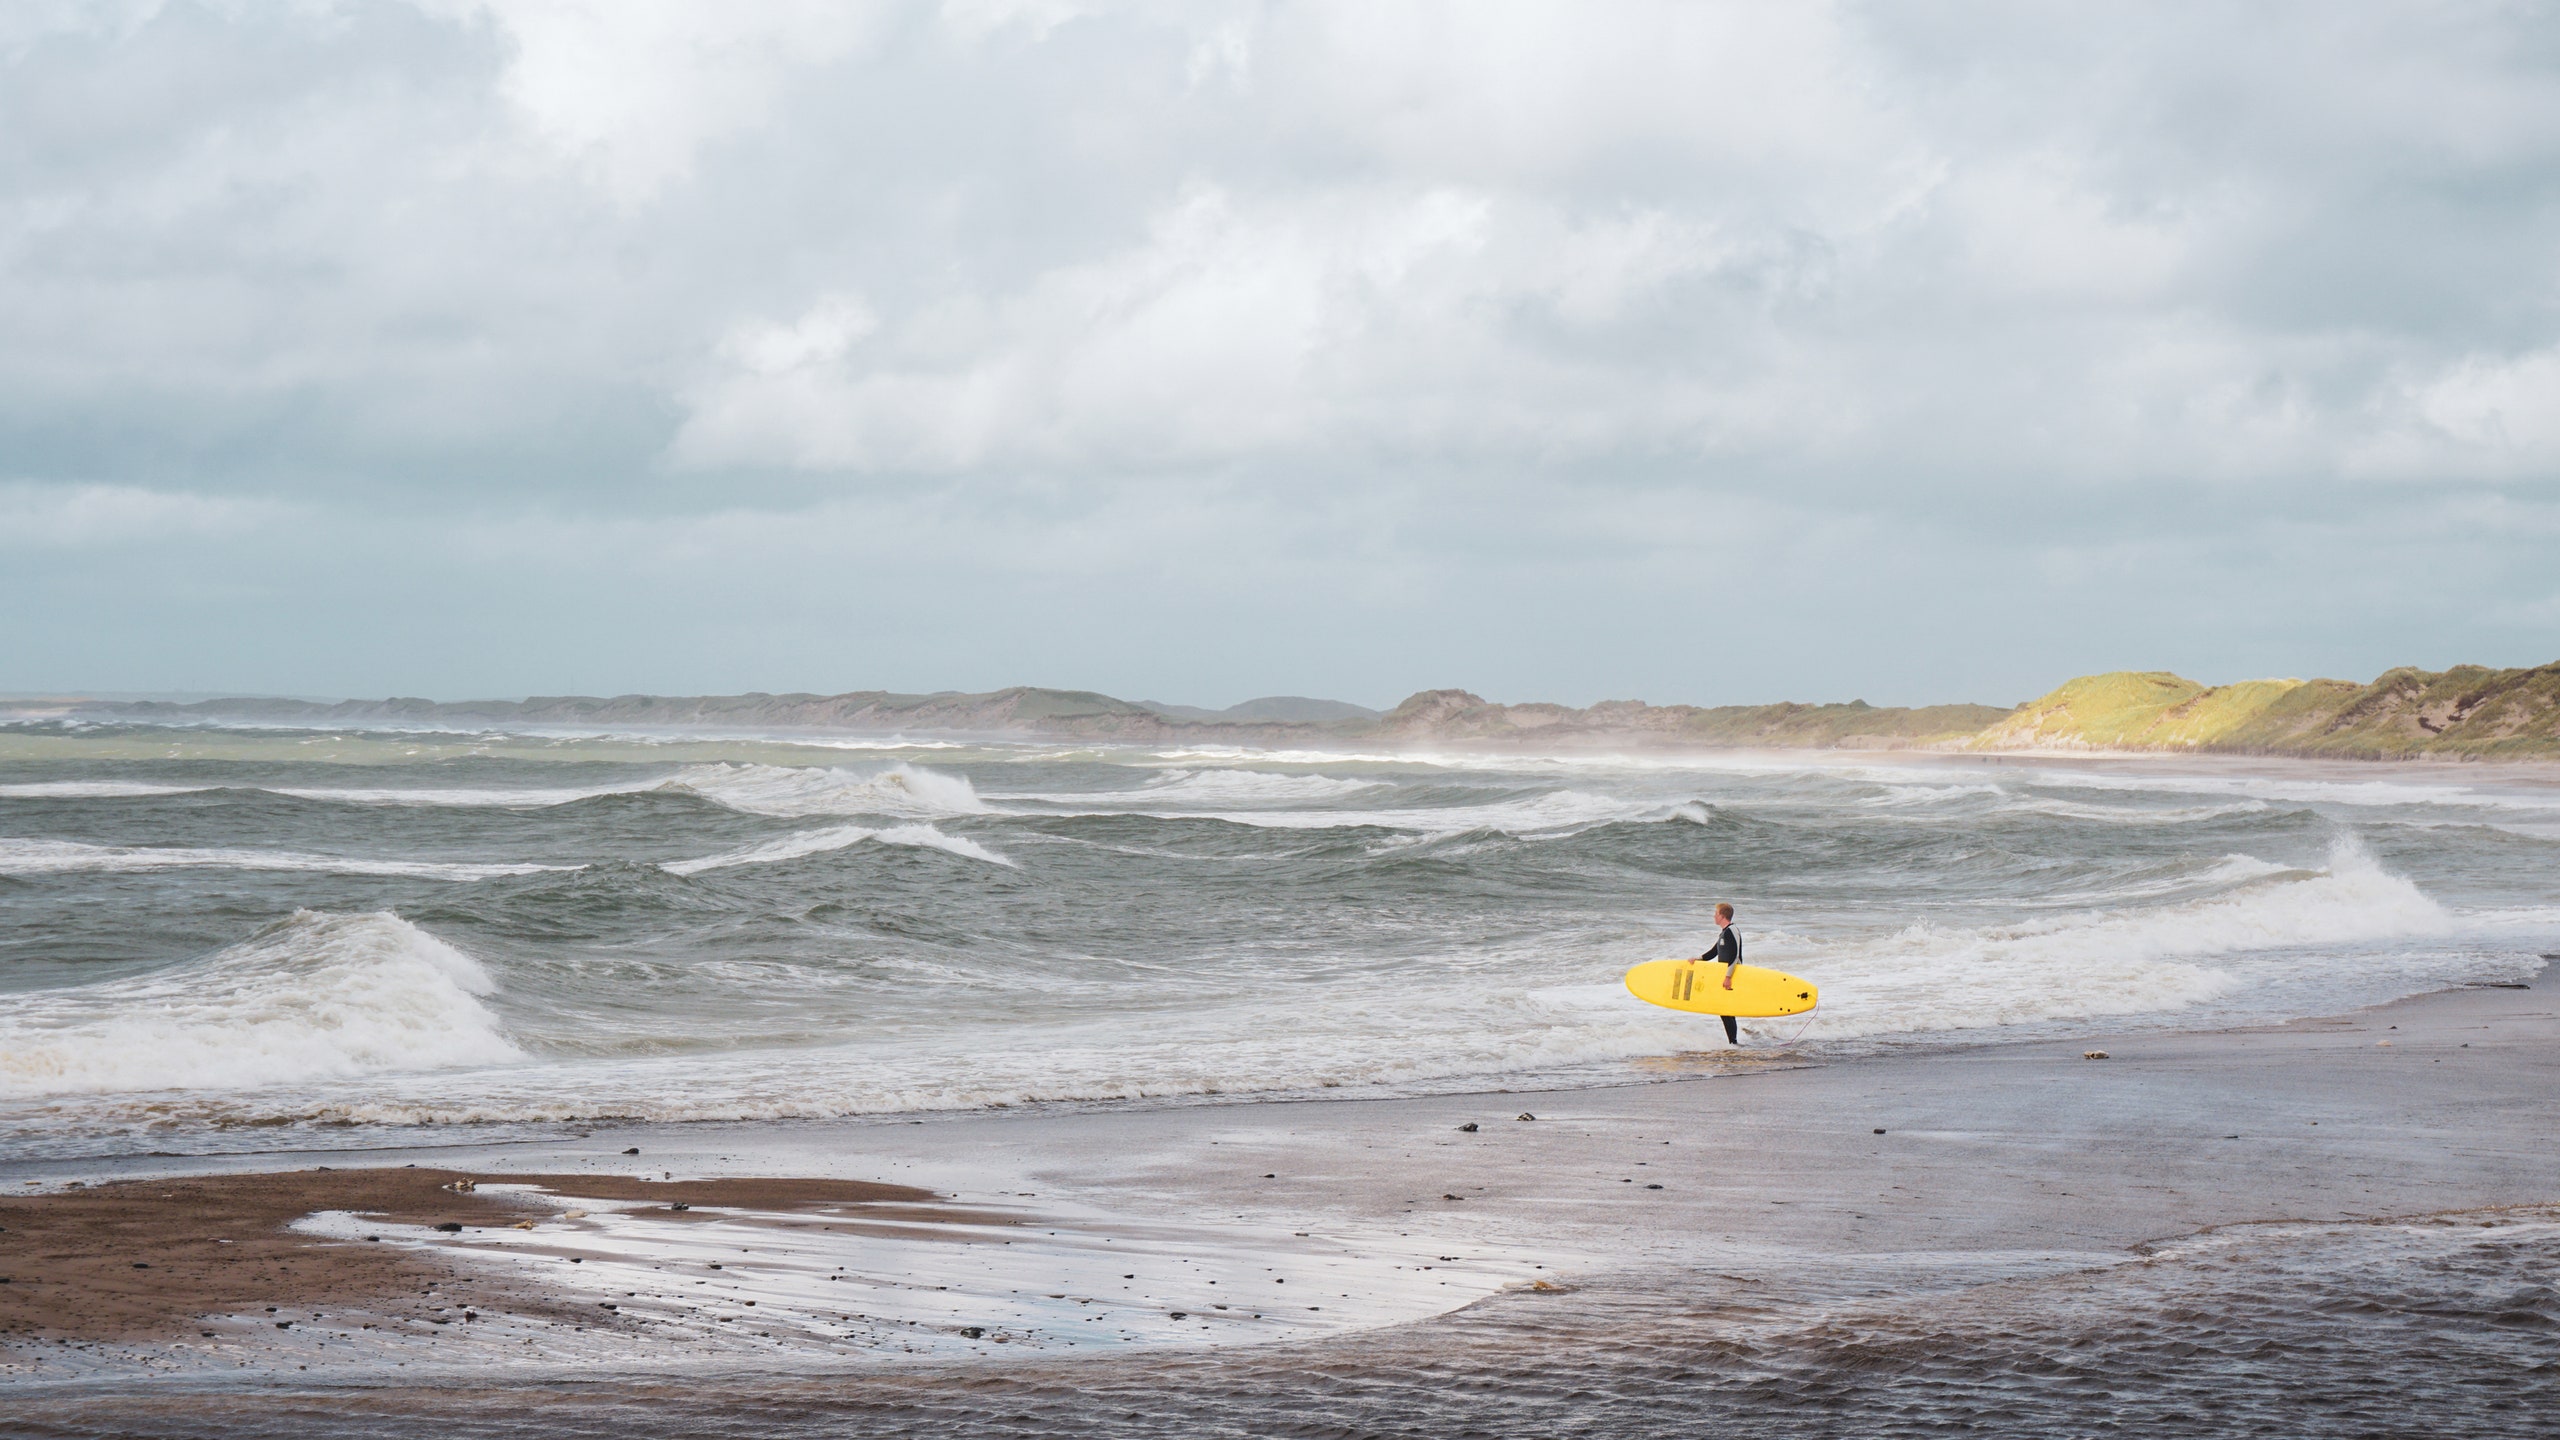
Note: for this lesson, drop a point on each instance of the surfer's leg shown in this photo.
(1732, 1032)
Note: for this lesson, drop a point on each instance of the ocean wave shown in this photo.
(1899, 795)
(2359, 793)
(1410, 1028)
(1243, 787)
(1552, 813)
(495, 798)
(59, 857)
(814, 842)
(2135, 815)
(313, 997)
(794, 791)
(542, 798)
(95, 790)
(2116, 961)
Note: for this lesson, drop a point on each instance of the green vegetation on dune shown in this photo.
(2107, 712)
(2469, 711)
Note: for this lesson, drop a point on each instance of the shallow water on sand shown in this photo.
(210, 935)
(2449, 1327)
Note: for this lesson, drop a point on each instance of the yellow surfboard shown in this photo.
(1697, 986)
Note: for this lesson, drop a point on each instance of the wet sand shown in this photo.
(1982, 1162)
(144, 1258)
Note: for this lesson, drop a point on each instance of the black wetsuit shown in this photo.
(1727, 951)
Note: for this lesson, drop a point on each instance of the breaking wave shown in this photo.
(2117, 961)
(315, 996)
(791, 791)
(814, 842)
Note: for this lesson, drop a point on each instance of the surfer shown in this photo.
(1728, 949)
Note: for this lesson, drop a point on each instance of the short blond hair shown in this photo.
(1724, 910)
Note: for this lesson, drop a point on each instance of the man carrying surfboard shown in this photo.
(1728, 949)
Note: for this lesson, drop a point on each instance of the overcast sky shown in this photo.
(1192, 351)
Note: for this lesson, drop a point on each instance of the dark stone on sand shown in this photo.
(1653, 1187)
(679, 1205)
(284, 1324)
(1525, 1115)
(1879, 1129)
(1453, 1197)
(1468, 1128)
(634, 1150)
(451, 1227)
(971, 1332)
(1181, 1314)
(607, 1305)
(141, 1264)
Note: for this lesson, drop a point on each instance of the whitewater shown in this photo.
(200, 950)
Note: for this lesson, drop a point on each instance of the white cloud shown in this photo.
(2508, 407)
(1366, 322)
(633, 89)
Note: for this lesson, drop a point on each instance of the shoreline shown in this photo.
(2435, 1103)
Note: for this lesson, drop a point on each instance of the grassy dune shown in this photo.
(2469, 711)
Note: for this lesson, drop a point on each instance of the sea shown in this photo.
(228, 939)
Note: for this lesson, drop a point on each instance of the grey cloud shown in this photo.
(1392, 337)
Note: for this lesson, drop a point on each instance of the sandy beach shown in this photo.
(1959, 1173)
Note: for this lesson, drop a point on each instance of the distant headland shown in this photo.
(2467, 712)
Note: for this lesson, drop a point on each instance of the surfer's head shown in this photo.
(1724, 913)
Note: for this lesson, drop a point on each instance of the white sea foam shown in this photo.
(901, 790)
(2118, 961)
(57, 857)
(95, 790)
(814, 842)
(1554, 812)
(1245, 787)
(313, 997)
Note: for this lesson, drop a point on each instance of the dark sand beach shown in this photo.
(2202, 1233)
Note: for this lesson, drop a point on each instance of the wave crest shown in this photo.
(814, 842)
(793, 791)
(315, 996)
